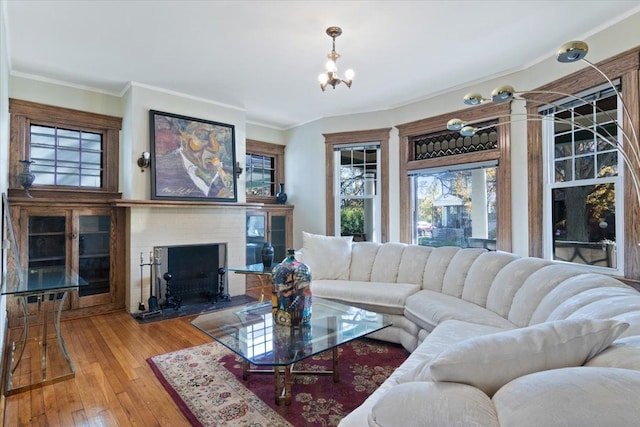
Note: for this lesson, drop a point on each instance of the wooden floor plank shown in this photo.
(114, 385)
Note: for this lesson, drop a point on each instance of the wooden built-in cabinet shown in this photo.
(74, 242)
(270, 223)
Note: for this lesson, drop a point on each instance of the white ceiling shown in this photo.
(264, 56)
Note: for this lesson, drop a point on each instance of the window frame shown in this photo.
(624, 66)
(375, 197)
(276, 152)
(502, 154)
(550, 183)
(357, 137)
(25, 113)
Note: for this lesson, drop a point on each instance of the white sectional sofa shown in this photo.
(495, 339)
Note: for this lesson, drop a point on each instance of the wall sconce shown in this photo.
(238, 170)
(144, 160)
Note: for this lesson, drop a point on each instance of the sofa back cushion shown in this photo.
(456, 275)
(482, 274)
(437, 265)
(387, 262)
(508, 281)
(363, 255)
(413, 265)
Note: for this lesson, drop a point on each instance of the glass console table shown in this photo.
(263, 275)
(39, 355)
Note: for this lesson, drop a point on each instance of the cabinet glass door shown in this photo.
(93, 253)
(279, 237)
(47, 250)
(256, 236)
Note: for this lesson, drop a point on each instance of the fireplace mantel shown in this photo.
(131, 203)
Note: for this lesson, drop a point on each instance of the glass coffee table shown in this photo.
(250, 332)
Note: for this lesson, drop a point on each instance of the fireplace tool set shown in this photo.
(153, 264)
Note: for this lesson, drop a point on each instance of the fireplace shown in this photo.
(189, 274)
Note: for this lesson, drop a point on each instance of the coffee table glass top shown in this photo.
(250, 331)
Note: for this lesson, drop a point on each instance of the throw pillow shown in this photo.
(490, 361)
(328, 257)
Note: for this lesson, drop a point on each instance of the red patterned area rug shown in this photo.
(206, 383)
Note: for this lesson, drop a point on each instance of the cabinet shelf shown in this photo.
(46, 258)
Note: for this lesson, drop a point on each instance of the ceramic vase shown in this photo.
(292, 297)
(267, 255)
(281, 196)
(26, 177)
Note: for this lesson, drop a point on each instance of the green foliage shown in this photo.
(352, 220)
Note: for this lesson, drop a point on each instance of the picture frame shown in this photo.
(192, 159)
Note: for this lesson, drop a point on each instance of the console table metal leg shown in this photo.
(44, 342)
(61, 344)
(24, 336)
(58, 372)
(336, 374)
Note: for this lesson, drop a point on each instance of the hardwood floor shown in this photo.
(113, 385)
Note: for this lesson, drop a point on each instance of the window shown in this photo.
(456, 206)
(456, 190)
(623, 69)
(583, 209)
(357, 196)
(71, 150)
(264, 168)
(358, 200)
(65, 157)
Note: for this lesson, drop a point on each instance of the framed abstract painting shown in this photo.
(192, 159)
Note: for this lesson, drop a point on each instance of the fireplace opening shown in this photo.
(189, 274)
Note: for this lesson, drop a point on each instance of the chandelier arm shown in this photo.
(625, 156)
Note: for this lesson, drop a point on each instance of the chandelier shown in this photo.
(330, 76)
(628, 145)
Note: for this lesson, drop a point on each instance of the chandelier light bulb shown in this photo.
(331, 66)
(330, 76)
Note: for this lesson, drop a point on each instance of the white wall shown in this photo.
(29, 88)
(4, 147)
(265, 134)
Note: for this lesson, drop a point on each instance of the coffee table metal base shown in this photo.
(283, 377)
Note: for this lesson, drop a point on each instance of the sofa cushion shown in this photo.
(579, 396)
(490, 361)
(328, 257)
(623, 353)
(433, 404)
(427, 309)
(385, 298)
